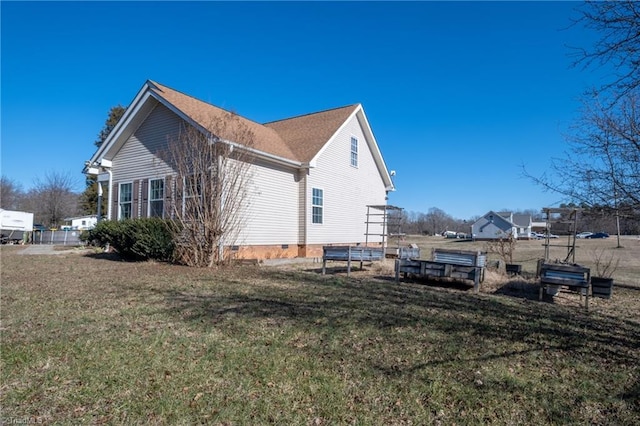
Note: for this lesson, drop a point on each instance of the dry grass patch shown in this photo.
(95, 340)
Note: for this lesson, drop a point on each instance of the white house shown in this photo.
(522, 222)
(313, 176)
(81, 223)
(493, 226)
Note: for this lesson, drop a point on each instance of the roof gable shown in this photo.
(495, 218)
(205, 115)
(307, 134)
(294, 141)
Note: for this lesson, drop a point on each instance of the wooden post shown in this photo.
(540, 294)
(586, 298)
(324, 260)
(476, 281)
(397, 270)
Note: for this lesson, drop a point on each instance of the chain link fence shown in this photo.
(67, 238)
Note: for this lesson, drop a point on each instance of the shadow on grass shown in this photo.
(446, 283)
(342, 303)
(109, 255)
(519, 288)
(117, 257)
(367, 321)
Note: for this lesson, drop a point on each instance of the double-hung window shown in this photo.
(125, 200)
(156, 197)
(317, 202)
(354, 152)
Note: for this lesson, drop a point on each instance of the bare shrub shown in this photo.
(605, 262)
(212, 174)
(503, 247)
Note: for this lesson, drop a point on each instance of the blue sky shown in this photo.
(459, 94)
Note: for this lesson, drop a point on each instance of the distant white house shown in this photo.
(493, 226)
(522, 222)
(80, 223)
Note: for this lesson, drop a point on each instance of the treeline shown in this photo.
(51, 199)
(605, 219)
(591, 218)
(436, 221)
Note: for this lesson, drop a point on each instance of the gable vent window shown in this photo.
(354, 152)
(126, 200)
(156, 197)
(317, 205)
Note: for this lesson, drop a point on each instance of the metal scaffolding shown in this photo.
(381, 223)
(568, 216)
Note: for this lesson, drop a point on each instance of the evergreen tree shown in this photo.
(89, 198)
(115, 113)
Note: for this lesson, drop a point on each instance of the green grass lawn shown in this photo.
(92, 339)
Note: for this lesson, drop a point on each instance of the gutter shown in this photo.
(275, 158)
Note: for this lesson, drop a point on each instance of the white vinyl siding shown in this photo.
(279, 199)
(141, 156)
(156, 197)
(273, 207)
(351, 189)
(125, 201)
(317, 201)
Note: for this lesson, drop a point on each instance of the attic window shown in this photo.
(354, 152)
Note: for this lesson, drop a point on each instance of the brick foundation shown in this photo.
(278, 251)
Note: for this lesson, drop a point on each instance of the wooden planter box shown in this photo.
(513, 269)
(601, 287)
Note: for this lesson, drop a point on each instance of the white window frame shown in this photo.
(354, 151)
(129, 202)
(151, 199)
(315, 206)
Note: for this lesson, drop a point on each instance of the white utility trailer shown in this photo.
(14, 224)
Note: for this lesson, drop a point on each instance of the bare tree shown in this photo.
(601, 170)
(602, 166)
(437, 220)
(617, 23)
(11, 194)
(212, 176)
(52, 199)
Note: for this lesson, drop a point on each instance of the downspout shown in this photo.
(110, 197)
(305, 216)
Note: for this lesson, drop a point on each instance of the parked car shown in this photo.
(537, 235)
(598, 235)
(584, 234)
(39, 227)
(550, 236)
